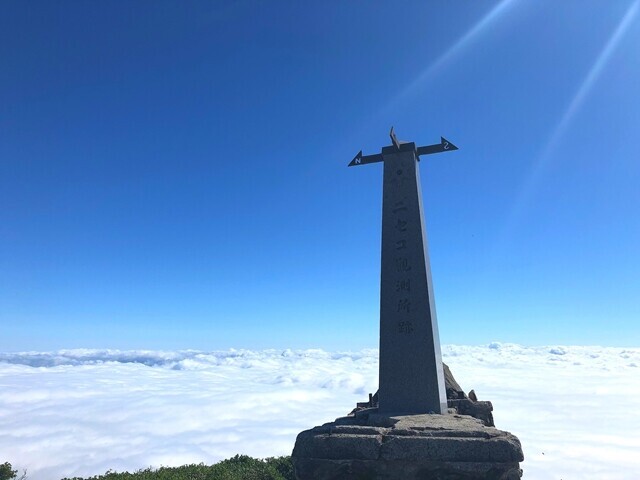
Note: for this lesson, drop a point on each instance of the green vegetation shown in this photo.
(6, 473)
(240, 467)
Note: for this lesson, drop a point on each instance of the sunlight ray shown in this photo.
(495, 13)
(385, 112)
(542, 160)
(591, 78)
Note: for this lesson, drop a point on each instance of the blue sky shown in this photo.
(173, 174)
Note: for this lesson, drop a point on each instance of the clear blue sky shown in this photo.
(173, 174)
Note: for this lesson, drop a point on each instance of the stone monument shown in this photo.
(420, 424)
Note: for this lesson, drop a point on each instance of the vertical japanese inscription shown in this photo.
(402, 280)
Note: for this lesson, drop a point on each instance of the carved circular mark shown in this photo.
(399, 172)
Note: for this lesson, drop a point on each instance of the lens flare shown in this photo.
(591, 78)
(385, 112)
(578, 99)
(455, 49)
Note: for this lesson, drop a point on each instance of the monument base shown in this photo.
(369, 445)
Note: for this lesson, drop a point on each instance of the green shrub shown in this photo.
(6, 473)
(240, 467)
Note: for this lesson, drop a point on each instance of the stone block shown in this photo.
(411, 447)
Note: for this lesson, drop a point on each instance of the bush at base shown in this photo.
(6, 473)
(240, 467)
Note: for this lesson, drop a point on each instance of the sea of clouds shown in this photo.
(575, 409)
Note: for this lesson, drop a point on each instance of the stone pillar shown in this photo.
(411, 374)
(406, 436)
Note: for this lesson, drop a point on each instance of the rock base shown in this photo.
(434, 447)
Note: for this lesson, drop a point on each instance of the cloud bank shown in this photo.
(82, 412)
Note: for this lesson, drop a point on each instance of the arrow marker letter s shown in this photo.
(447, 145)
(444, 146)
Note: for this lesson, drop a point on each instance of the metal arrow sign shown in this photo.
(444, 146)
(360, 159)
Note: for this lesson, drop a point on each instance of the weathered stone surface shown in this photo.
(456, 400)
(454, 390)
(477, 409)
(434, 447)
(371, 470)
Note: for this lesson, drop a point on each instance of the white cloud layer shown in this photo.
(82, 412)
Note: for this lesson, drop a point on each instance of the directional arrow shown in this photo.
(360, 159)
(443, 146)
